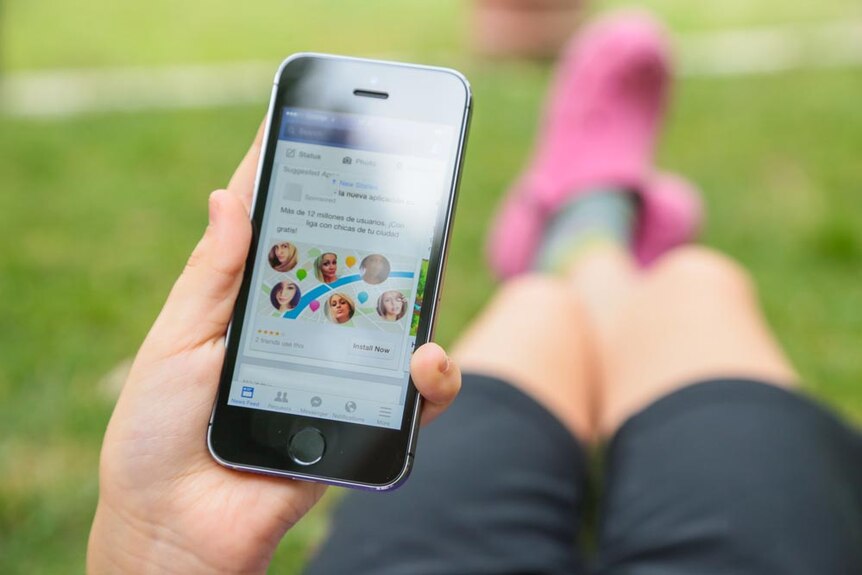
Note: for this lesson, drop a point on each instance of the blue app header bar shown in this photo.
(370, 133)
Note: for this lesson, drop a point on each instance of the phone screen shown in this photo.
(340, 269)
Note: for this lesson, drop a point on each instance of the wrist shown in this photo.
(120, 543)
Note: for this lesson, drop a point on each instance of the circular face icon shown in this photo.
(285, 296)
(326, 267)
(391, 305)
(283, 256)
(339, 308)
(374, 269)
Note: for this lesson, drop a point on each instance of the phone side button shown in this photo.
(307, 446)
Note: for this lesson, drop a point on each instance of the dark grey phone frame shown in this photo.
(360, 456)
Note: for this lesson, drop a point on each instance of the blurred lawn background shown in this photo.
(98, 212)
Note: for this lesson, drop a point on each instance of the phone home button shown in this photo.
(306, 447)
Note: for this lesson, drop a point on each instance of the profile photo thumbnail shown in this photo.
(339, 308)
(391, 305)
(326, 267)
(374, 269)
(285, 296)
(283, 256)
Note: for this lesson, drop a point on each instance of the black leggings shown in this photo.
(724, 476)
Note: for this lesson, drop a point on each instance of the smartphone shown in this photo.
(353, 205)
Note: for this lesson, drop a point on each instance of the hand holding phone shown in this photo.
(164, 504)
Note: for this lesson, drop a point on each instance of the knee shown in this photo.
(703, 271)
(537, 294)
(536, 286)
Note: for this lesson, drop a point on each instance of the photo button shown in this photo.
(307, 446)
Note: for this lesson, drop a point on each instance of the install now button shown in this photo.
(371, 349)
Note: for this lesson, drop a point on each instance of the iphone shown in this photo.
(353, 207)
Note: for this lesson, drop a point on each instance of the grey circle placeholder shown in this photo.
(307, 446)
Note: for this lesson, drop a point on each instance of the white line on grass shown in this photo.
(771, 50)
(71, 92)
(725, 53)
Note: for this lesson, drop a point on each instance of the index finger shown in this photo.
(242, 181)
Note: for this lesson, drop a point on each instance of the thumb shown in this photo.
(437, 379)
(201, 302)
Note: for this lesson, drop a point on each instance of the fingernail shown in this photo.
(214, 208)
(444, 365)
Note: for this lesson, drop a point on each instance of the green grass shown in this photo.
(87, 33)
(98, 33)
(98, 213)
(701, 16)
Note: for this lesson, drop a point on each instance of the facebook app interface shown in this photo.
(341, 266)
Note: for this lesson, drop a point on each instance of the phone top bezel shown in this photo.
(365, 456)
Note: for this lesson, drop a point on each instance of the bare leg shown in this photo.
(534, 334)
(603, 279)
(694, 315)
